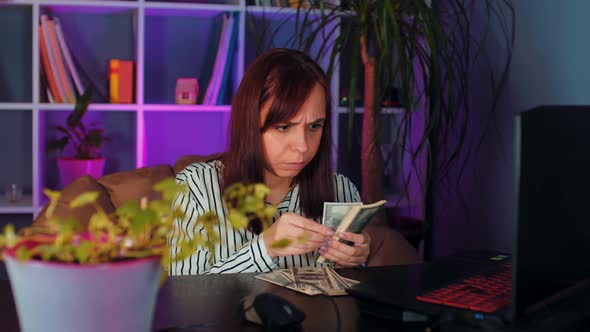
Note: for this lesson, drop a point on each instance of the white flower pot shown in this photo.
(53, 296)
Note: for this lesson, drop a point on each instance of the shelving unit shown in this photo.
(166, 40)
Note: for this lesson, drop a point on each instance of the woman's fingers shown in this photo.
(347, 255)
(304, 235)
(309, 225)
(361, 238)
(341, 259)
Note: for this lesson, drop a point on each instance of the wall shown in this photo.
(550, 65)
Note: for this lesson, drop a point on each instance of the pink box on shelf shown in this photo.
(187, 90)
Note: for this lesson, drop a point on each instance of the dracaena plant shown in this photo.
(428, 50)
(134, 230)
(86, 141)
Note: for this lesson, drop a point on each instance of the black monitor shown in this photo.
(553, 203)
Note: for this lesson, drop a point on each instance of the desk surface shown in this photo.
(211, 303)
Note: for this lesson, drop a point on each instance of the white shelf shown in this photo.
(87, 6)
(117, 107)
(23, 206)
(16, 106)
(91, 107)
(186, 108)
(360, 110)
(190, 9)
(282, 11)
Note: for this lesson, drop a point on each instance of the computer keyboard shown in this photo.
(485, 293)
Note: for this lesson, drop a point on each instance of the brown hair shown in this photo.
(285, 78)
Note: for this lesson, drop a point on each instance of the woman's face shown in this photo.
(288, 147)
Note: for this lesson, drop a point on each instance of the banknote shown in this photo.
(335, 212)
(309, 280)
(347, 217)
(274, 277)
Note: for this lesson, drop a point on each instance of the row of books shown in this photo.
(215, 92)
(58, 71)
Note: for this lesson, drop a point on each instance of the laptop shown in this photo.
(548, 263)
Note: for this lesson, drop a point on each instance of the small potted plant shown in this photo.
(86, 142)
(106, 278)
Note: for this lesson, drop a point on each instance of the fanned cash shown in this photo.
(348, 217)
(310, 280)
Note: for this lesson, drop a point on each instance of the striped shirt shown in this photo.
(238, 250)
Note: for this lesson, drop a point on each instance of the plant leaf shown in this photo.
(23, 254)
(86, 198)
(8, 238)
(279, 244)
(170, 189)
(82, 251)
(80, 108)
(237, 219)
(128, 210)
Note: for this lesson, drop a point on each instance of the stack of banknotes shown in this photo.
(310, 280)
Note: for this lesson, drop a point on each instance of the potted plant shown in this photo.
(85, 141)
(427, 50)
(106, 278)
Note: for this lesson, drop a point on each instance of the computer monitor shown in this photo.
(553, 203)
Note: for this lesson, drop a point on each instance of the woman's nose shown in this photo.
(299, 142)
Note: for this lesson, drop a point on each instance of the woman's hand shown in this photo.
(304, 235)
(345, 255)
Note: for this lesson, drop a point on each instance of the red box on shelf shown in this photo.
(120, 81)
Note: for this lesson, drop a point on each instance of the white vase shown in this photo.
(70, 169)
(53, 296)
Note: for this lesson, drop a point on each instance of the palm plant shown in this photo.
(427, 52)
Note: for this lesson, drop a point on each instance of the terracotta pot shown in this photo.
(54, 296)
(70, 169)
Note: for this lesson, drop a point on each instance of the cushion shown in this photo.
(71, 191)
(184, 161)
(133, 185)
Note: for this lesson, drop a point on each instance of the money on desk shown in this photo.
(310, 280)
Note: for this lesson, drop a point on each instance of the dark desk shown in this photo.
(211, 303)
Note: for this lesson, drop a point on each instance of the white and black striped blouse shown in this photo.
(237, 250)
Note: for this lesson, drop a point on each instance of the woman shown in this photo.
(280, 134)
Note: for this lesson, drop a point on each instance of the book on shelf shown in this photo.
(45, 67)
(64, 79)
(65, 51)
(120, 81)
(348, 217)
(219, 75)
(49, 61)
(43, 83)
(56, 63)
(226, 68)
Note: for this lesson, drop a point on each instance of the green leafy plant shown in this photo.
(429, 53)
(134, 230)
(86, 141)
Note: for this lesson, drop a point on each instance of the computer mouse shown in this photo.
(273, 312)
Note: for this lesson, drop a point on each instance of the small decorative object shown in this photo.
(13, 192)
(86, 141)
(120, 81)
(106, 277)
(187, 90)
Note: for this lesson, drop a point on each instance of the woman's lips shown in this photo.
(294, 166)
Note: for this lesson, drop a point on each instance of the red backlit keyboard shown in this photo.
(485, 293)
